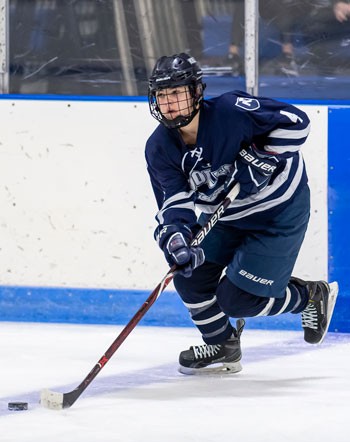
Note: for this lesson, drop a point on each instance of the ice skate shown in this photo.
(318, 313)
(224, 357)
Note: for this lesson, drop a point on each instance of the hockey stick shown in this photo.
(58, 401)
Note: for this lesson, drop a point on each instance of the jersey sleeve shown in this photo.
(277, 128)
(175, 199)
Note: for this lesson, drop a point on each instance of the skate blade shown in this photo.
(334, 289)
(223, 368)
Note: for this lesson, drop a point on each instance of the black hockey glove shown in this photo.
(253, 170)
(178, 251)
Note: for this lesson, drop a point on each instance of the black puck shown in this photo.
(17, 406)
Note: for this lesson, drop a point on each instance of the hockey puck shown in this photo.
(18, 406)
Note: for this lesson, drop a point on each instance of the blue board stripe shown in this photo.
(143, 98)
(53, 97)
(104, 306)
(339, 210)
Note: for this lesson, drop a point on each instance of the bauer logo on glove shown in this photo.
(253, 170)
(264, 166)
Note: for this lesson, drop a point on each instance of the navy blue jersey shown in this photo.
(189, 177)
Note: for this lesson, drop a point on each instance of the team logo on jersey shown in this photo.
(250, 104)
(197, 152)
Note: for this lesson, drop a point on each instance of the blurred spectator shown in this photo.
(341, 11)
(193, 28)
(282, 14)
(327, 35)
(285, 16)
(234, 57)
(311, 24)
(323, 26)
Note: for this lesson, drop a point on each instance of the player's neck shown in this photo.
(189, 132)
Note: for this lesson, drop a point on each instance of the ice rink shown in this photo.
(288, 390)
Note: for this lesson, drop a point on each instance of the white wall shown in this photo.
(76, 203)
(313, 258)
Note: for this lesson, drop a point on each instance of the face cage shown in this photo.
(181, 120)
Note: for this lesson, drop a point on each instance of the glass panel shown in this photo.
(108, 47)
(305, 48)
(63, 47)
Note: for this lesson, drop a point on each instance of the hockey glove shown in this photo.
(185, 257)
(177, 250)
(253, 170)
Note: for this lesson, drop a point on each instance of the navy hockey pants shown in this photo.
(257, 262)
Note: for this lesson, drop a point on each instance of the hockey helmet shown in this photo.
(171, 72)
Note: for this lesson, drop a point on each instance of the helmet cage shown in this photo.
(195, 93)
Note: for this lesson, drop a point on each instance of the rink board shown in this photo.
(64, 239)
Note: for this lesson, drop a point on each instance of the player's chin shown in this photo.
(171, 115)
(174, 115)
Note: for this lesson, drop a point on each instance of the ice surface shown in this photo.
(288, 390)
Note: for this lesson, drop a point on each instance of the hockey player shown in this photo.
(243, 267)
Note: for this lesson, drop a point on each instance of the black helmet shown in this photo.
(170, 72)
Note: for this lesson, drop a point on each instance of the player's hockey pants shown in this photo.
(258, 264)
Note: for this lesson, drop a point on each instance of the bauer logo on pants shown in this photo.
(256, 278)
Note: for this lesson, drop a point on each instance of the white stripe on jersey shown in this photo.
(272, 203)
(281, 149)
(169, 204)
(177, 197)
(290, 134)
(160, 215)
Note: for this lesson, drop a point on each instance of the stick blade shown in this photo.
(51, 399)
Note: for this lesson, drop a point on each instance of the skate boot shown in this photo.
(318, 313)
(224, 357)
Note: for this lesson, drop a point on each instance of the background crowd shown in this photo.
(107, 47)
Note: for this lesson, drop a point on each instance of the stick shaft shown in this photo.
(70, 398)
